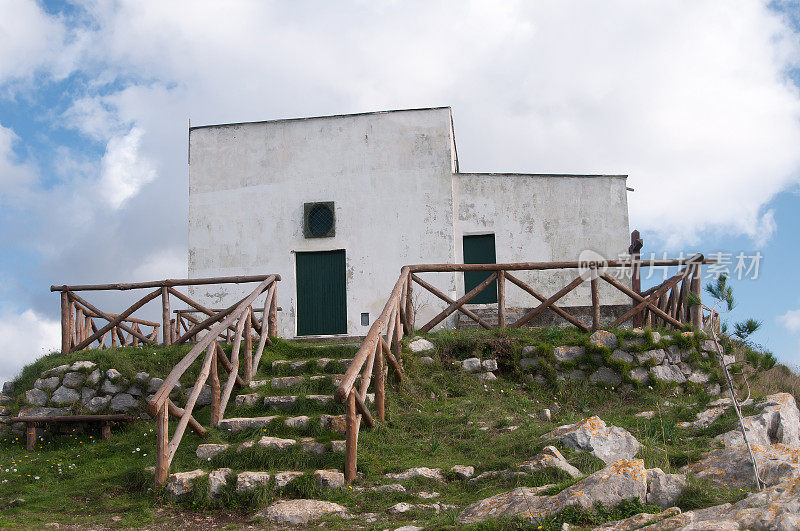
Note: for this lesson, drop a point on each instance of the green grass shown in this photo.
(438, 417)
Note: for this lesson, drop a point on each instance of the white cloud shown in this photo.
(124, 170)
(31, 41)
(15, 177)
(25, 337)
(791, 321)
(165, 263)
(692, 103)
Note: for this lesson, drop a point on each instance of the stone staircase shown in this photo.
(285, 426)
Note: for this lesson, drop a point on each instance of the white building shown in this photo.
(337, 205)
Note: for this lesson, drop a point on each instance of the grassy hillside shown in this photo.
(439, 417)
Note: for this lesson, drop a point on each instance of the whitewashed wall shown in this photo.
(543, 218)
(389, 174)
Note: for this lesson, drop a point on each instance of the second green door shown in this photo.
(480, 250)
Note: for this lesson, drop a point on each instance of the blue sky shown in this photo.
(697, 101)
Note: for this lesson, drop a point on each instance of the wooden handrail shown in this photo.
(160, 404)
(166, 283)
(370, 341)
(169, 382)
(665, 302)
(540, 266)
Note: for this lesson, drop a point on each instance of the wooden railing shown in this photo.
(240, 318)
(80, 329)
(237, 322)
(664, 305)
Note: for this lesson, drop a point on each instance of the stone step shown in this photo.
(182, 483)
(334, 423)
(287, 382)
(320, 364)
(306, 444)
(287, 401)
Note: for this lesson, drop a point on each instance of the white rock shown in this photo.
(423, 472)
(83, 366)
(284, 478)
(427, 360)
(248, 481)
(36, 397)
(489, 365)
(123, 402)
(471, 365)
(47, 384)
(94, 378)
(420, 345)
(299, 423)
(657, 354)
(183, 482)
(620, 481)
(664, 489)
(299, 512)
(550, 457)
(778, 422)
(568, 353)
(609, 443)
(487, 376)
(668, 373)
(276, 443)
(463, 471)
(112, 374)
(217, 480)
(330, 479)
(64, 396)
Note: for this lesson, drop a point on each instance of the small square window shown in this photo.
(364, 319)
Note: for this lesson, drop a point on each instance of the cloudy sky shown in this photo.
(697, 101)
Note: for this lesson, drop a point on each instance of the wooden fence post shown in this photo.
(72, 336)
(65, 335)
(248, 346)
(162, 445)
(166, 330)
(351, 423)
(696, 311)
(501, 299)
(215, 388)
(273, 311)
(595, 288)
(410, 304)
(380, 381)
(636, 281)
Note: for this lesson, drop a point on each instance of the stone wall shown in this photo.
(84, 388)
(637, 357)
(608, 314)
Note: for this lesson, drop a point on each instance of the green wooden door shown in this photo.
(321, 293)
(480, 250)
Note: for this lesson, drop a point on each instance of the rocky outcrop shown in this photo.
(778, 422)
(774, 508)
(621, 481)
(608, 443)
(664, 489)
(732, 467)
